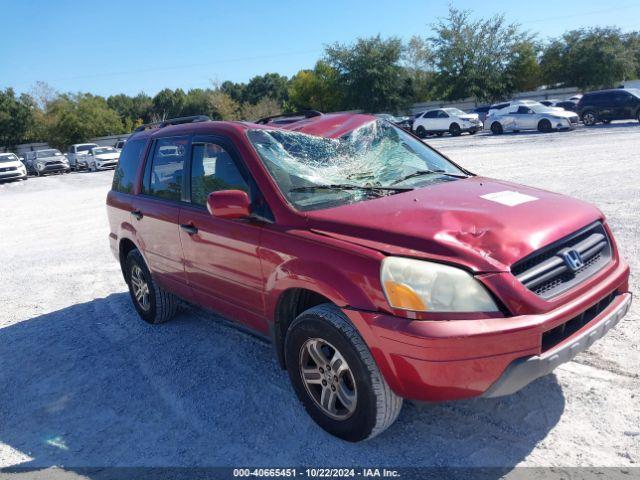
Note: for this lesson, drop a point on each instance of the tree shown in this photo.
(264, 108)
(168, 104)
(269, 85)
(632, 44)
(316, 89)
(419, 69)
(77, 118)
(523, 73)
(473, 56)
(16, 118)
(234, 90)
(589, 58)
(369, 73)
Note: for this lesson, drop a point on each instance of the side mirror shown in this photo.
(229, 204)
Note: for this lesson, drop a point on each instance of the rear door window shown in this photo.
(125, 175)
(164, 175)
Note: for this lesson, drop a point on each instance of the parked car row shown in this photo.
(80, 156)
(547, 115)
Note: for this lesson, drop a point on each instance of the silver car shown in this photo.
(77, 155)
(530, 116)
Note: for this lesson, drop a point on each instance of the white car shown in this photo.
(101, 158)
(11, 168)
(530, 116)
(441, 120)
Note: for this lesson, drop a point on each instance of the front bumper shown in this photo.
(12, 175)
(523, 371)
(437, 360)
(106, 165)
(53, 169)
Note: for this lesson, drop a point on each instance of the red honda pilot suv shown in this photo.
(379, 268)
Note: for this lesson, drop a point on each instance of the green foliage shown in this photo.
(76, 118)
(264, 108)
(369, 74)
(523, 73)
(591, 58)
(16, 118)
(269, 85)
(473, 56)
(316, 89)
(168, 104)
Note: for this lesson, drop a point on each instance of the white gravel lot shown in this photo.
(85, 383)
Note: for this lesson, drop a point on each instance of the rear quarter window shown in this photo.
(124, 177)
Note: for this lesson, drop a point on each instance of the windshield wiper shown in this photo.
(368, 188)
(420, 173)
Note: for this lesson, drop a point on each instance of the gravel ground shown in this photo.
(86, 383)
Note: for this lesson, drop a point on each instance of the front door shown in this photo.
(221, 255)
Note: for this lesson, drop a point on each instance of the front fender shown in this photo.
(328, 280)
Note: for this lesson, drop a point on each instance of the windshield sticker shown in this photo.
(509, 198)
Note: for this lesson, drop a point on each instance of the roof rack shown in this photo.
(173, 121)
(290, 116)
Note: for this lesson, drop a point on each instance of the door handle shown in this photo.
(137, 214)
(189, 228)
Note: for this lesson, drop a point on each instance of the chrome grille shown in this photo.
(547, 272)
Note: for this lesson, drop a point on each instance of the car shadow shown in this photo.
(91, 385)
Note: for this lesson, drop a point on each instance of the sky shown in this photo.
(116, 46)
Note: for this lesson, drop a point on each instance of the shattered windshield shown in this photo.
(373, 160)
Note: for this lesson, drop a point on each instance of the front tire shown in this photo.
(544, 126)
(335, 376)
(496, 128)
(421, 132)
(153, 303)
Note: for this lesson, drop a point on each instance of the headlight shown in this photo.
(423, 286)
(39, 166)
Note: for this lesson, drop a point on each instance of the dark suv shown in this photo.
(606, 105)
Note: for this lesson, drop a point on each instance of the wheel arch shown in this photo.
(291, 303)
(295, 287)
(126, 245)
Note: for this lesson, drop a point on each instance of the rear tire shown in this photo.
(589, 118)
(454, 130)
(153, 303)
(544, 125)
(421, 132)
(496, 128)
(322, 342)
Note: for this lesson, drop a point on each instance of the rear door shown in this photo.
(156, 212)
(221, 255)
(442, 120)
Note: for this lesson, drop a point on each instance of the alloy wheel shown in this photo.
(140, 288)
(589, 118)
(328, 379)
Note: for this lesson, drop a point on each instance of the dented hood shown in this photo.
(483, 224)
